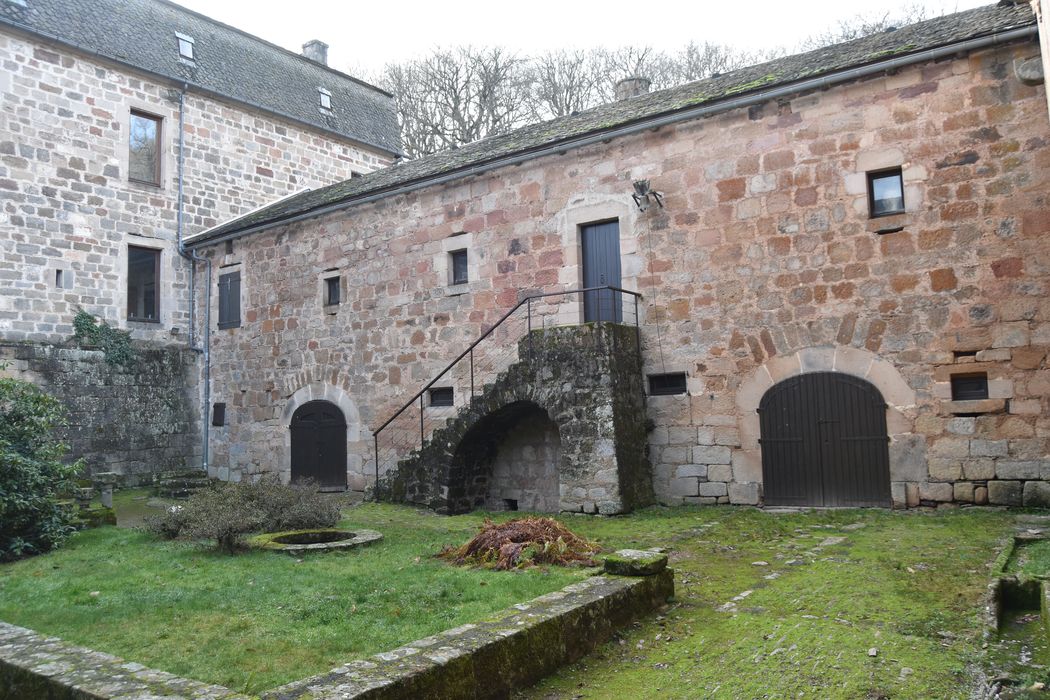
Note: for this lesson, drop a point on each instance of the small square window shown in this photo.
(332, 290)
(143, 278)
(885, 192)
(144, 148)
(185, 46)
(458, 266)
(325, 97)
(668, 384)
(441, 396)
(969, 387)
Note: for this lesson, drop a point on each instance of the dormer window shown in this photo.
(185, 46)
(326, 98)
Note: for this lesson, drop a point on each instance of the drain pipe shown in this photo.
(193, 258)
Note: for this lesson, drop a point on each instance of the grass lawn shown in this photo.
(257, 620)
(834, 585)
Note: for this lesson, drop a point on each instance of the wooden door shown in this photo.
(824, 442)
(319, 445)
(601, 266)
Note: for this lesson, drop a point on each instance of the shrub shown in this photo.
(226, 512)
(32, 472)
(522, 543)
(114, 343)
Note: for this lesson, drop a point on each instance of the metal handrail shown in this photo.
(418, 396)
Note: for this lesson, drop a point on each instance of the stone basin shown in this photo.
(314, 540)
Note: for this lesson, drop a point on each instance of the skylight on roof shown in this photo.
(185, 46)
(326, 98)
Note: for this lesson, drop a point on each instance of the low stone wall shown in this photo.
(136, 420)
(491, 659)
(35, 666)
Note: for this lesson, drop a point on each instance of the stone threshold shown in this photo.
(488, 659)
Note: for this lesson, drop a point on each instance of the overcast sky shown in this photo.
(367, 34)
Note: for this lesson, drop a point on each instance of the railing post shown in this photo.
(421, 440)
(376, 488)
(529, 305)
(472, 373)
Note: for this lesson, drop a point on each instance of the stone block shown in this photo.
(1010, 335)
(688, 486)
(681, 435)
(994, 355)
(818, 359)
(720, 472)
(978, 469)
(743, 493)
(713, 488)
(942, 469)
(961, 426)
(747, 466)
(911, 494)
(963, 491)
(1022, 469)
(1000, 389)
(908, 458)
(936, 492)
(889, 381)
(1026, 407)
(686, 470)
(980, 495)
(899, 494)
(989, 448)
(635, 562)
(1036, 495)
(1005, 493)
(950, 447)
(711, 454)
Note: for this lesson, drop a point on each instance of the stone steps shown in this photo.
(180, 484)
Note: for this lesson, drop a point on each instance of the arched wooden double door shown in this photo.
(319, 444)
(824, 442)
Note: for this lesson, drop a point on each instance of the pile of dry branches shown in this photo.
(522, 543)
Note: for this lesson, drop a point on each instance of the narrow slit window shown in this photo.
(668, 384)
(185, 46)
(325, 98)
(441, 396)
(230, 300)
(458, 266)
(969, 387)
(332, 291)
(58, 279)
(885, 192)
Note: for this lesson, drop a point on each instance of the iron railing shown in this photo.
(496, 349)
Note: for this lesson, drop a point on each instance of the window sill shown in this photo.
(978, 406)
(228, 326)
(889, 223)
(150, 321)
(145, 183)
(330, 309)
(457, 290)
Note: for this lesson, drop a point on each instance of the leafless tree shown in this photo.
(564, 82)
(456, 96)
(863, 25)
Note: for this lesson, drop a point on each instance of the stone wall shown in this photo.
(763, 258)
(67, 202)
(525, 468)
(135, 420)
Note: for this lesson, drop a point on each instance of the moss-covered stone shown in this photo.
(635, 562)
(96, 516)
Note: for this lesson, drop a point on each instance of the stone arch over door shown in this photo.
(907, 450)
(320, 391)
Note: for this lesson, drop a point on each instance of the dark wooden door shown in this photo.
(824, 442)
(319, 445)
(600, 245)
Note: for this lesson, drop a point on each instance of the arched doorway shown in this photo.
(319, 445)
(824, 442)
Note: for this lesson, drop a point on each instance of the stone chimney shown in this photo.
(316, 50)
(631, 87)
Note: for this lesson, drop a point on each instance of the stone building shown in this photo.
(125, 125)
(842, 267)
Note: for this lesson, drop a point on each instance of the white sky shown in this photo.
(368, 33)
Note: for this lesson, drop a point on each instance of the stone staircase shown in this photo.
(587, 380)
(181, 483)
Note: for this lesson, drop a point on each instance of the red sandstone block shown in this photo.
(778, 160)
(729, 190)
(943, 280)
(1008, 267)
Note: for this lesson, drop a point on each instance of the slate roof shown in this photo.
(942, 31)
(228, 62)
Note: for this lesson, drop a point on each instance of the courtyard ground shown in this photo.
(825, 604)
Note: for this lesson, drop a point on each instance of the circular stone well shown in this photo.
(316, 540)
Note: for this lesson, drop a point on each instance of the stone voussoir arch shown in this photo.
(316, 391)
(907, 450)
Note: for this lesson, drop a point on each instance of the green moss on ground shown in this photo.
(1031, 559)
(909, 585)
